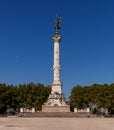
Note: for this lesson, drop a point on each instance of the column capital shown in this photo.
(56, 38)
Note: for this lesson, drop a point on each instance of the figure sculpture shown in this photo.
(57, 24)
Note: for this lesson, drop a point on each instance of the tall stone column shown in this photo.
(56, 100)
(57, 84)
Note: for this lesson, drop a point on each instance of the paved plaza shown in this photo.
(14, 123)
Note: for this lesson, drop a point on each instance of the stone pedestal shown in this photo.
(46, 108)
(56, 103)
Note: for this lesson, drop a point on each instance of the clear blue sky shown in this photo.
(87, 46)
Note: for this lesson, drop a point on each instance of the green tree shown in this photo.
(95, 96)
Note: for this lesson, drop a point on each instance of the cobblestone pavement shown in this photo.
(14, 123)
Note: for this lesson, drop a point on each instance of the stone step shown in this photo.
(57, 114)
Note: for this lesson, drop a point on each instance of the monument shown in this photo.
(56, 100)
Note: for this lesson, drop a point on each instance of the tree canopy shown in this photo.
(96, 95)
(28, 94)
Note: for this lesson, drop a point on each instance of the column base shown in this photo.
(56, 87)
(56, 103)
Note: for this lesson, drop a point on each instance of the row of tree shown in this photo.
(95, 96)
(26, 95)
(34, 95)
